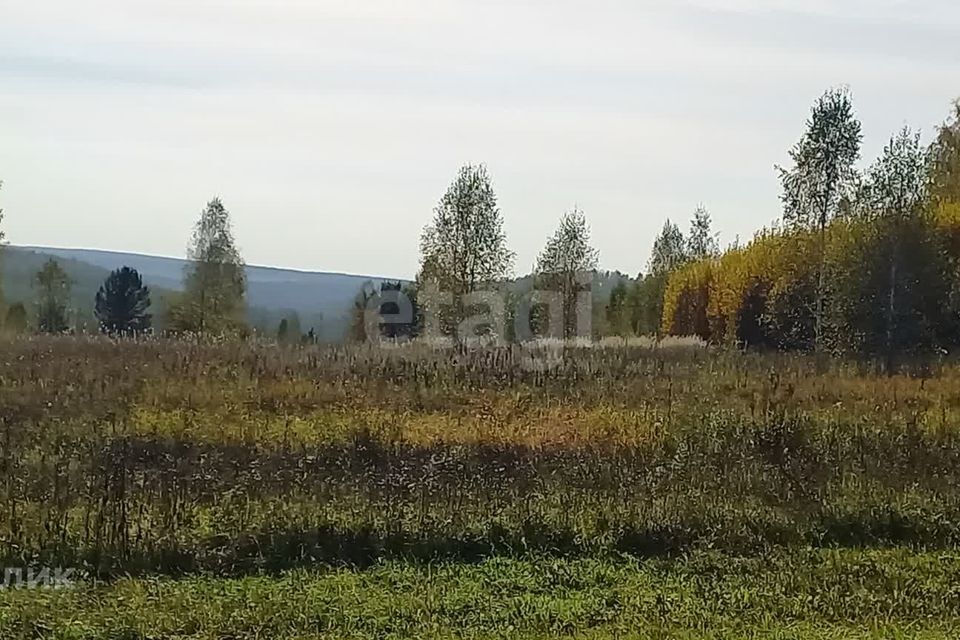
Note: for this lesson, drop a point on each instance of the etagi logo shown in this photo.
(486, 317)
(37, 578)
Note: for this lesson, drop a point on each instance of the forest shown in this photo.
(860, 262)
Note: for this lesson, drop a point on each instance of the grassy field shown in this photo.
(809, 594)
(250, 491)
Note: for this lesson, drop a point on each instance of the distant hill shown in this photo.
(321, 300)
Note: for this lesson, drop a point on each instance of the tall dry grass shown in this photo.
(162, 456)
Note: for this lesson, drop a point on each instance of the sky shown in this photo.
(331, 128)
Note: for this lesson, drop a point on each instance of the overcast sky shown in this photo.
(331, 128)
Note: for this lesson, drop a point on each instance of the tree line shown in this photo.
(211, 303)
(858, 261)
(864, 263)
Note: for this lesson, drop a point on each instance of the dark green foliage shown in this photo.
(398, 304)
(464, 249)
(390, 312)
(122, 304)
(289, 331)
(565, 268)
(889, 291)
(822, 180)
(646, 304)
(618, 310)
(823, 172)
(702, 242)
(53, 294)
(16, 321)
(669, 251)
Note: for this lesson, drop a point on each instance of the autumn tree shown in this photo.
(53, 286)
(822, 177)
(944, 159)
(464, 248)
(214, 279)
(122, 302)
(565, 267)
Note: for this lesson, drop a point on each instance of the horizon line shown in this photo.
(184, 259)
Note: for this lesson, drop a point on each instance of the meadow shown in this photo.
(629, 490)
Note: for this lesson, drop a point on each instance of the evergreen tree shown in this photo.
(53, 297)
(122, 303)
(214, 281)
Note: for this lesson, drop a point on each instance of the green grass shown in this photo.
(798, 594)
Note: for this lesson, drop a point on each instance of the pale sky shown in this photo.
(331, 128)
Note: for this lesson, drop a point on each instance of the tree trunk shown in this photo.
(891, 310)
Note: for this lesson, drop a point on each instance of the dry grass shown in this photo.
(173, 456)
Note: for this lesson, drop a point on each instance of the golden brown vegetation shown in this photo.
(173, 457)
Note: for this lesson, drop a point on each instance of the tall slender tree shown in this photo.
(669, 250)
(464, 248)
(822, 177)
(566, 265)
(702, 241)
(214, 280)
(53, 286)
(122, 302)
(897, 192)
(617, 311)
